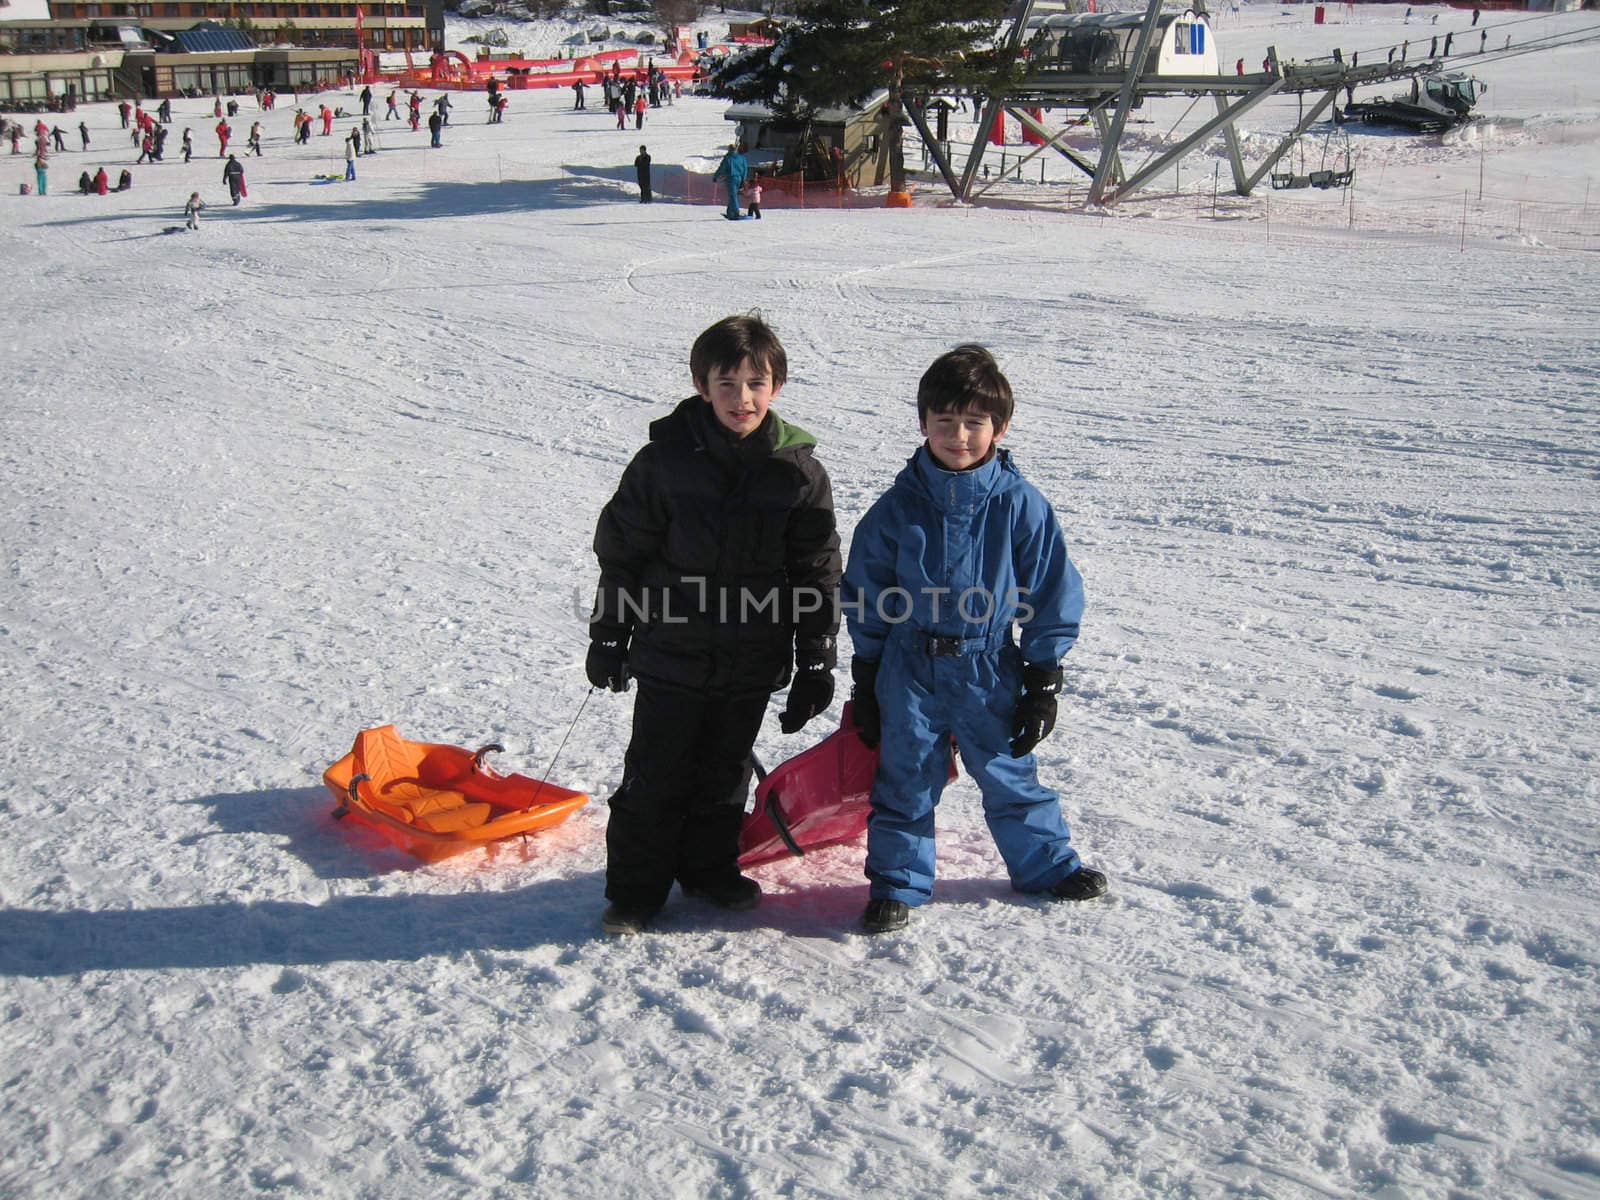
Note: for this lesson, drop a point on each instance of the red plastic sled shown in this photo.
(435, 800)
(815, 799)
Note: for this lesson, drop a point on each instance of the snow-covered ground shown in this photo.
(335, 460)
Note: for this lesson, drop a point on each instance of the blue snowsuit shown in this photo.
(735, 168)
(940, 568)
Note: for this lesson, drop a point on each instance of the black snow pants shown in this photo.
(685, 779)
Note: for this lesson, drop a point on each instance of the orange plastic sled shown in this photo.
(435, 800)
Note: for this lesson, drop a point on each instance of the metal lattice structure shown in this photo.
(1107, 100)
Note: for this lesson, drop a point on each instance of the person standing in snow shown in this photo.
(735, 168)
(435, 127)
(350, 152)
(191, 210)
(366, 101)
(233, 176)
(83, 133)
(754, 192)
(41, 168)
(224, 131)
(577, 94)
(958, 551)
(641, 168)
(719, 566)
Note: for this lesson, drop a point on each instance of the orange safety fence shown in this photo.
(517, 74)
(781, 191)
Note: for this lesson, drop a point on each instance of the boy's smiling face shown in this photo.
(959, 440)
(740, 396)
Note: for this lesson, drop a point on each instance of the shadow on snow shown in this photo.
(580, 187)
(560, 911)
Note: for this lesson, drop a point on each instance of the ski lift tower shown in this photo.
(1105, 65)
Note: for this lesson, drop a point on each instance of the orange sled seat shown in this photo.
(434, 800)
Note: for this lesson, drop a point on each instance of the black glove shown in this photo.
(607, 663)
(864, 702)
(1035, 715)
(810, 692)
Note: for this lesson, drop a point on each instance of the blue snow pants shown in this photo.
(925, 699)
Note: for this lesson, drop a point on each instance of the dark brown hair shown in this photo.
(736, 340)
(966, 379)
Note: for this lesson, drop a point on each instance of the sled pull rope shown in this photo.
(551, 768)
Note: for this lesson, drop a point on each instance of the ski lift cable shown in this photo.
(1494, 56)
(1498, 25)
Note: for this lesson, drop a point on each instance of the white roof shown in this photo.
(754, 111)
(25, 10)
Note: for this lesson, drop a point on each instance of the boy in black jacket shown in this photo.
(719, 566)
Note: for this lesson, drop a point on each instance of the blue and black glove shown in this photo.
(864, 702)
(1035, 714)
(607, 661)
(810, 691)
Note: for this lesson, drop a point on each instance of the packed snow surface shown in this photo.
(334, 461)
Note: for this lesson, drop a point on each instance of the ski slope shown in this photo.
(334, 461)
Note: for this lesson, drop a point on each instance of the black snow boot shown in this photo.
(739, 893)
(885, 916)
(620, 920)
(1083, 884)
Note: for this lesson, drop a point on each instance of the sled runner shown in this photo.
(815, 799)
(435, 800)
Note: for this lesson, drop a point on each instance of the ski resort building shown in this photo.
(835, 141)
(1104, 43)
(83, 50)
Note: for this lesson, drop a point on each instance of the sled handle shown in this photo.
(781, 824)
(774, 809)
(343, 810)
(479, 754)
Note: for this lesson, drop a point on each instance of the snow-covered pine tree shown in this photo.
(840, 52)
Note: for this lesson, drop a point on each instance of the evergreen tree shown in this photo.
(840, 52)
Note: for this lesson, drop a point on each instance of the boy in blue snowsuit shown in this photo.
(957, 552)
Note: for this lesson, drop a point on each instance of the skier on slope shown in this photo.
(735, 168)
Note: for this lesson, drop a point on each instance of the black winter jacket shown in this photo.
(719, 555)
